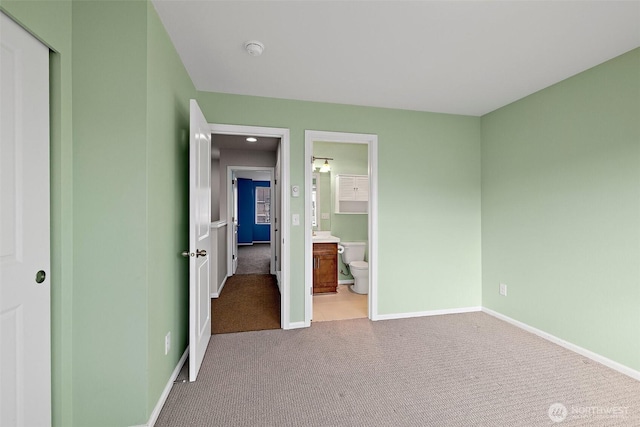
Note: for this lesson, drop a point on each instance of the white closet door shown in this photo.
(25, 337)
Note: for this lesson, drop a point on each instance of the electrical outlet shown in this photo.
(503, 289)
(167, 343)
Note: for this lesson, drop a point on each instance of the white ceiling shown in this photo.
(239, 142)
(461, 57)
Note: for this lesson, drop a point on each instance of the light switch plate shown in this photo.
(326, 215)
(295, 219)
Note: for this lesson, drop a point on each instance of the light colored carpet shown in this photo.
(254, 259)
(454, 370)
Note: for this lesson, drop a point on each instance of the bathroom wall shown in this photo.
(347, 159)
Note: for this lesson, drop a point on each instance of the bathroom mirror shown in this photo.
(321, 201)
(315, 201)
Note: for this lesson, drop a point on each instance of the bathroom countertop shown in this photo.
(324, 237)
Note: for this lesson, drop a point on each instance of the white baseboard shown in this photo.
(217, 294)
(296, 325)
(346, 282)
(566, 344)
(426, 313)
(163, 397)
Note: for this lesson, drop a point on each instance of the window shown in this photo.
(263, 205)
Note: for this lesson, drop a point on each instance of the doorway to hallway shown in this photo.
(256, 270)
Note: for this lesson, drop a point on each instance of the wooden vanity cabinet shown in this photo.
(325, 267)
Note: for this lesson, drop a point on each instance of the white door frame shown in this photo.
(283, 134)
(350, 138)
(230, 204)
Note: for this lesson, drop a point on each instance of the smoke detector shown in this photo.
(254, 48)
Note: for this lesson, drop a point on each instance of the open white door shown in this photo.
(25, 340)
(199, 238)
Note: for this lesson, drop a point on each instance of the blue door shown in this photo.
(246, 211)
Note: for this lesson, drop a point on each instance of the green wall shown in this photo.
(561, 209)
(429, 195)
(131, 120)
(110, 273)
(119, 206)
(169, 89)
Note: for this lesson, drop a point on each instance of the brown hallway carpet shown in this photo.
(248, 302)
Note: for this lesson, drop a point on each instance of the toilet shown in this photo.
(353, 256)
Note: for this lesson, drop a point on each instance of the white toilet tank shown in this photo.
(353, 251)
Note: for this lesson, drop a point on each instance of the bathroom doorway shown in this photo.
(332, 158)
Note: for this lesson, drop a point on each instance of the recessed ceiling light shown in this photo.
(252, 140)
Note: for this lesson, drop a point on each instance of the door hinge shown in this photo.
(234, 182)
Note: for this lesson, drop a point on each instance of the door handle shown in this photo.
(197, 254)
(40, 276)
